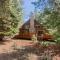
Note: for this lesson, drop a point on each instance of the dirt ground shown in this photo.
(11, 50)
(6, 46)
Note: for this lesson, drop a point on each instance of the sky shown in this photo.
(28, 7)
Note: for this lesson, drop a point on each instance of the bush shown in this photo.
(57, 41)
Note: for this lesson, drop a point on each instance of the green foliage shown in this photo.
(34, 38)
(47, 43)
(57, 41)
(50, 18)
(10, 16)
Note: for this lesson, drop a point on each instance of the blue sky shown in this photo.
(28, 8)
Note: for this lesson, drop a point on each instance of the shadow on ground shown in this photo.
(3, 42)
(28, 53)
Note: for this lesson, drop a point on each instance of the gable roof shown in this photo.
(28, 23)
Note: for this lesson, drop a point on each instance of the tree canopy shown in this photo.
(50, 17)
(10, 16)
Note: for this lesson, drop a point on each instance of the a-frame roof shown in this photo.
(28, 23)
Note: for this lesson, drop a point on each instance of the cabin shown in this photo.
(31, 27)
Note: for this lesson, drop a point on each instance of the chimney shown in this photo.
(32, 18)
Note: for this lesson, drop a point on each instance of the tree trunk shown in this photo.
(1, 37)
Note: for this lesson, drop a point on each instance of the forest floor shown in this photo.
(27, 50)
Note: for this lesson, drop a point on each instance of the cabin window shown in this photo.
(40, 32)
(38, 26)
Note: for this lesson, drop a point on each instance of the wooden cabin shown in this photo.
(33, 27)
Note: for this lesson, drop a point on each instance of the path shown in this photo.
(7, 47)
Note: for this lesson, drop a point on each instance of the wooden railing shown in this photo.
(29, 36)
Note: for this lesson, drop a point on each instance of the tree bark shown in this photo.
(1, 37)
